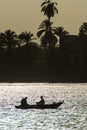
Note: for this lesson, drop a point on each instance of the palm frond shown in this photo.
(55, 3)
(43, 9)
(44, 3)
(56, 10)
(39, 33)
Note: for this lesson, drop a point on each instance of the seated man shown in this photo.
(41, 102)
(24, 101)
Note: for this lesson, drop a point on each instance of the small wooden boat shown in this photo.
(46, 106)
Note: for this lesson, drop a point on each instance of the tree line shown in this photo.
(23, 48)
(23, 59)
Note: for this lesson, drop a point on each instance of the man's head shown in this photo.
(41, 97)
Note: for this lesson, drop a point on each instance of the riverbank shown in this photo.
(44, 73)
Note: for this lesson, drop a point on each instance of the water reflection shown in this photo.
(72, 115)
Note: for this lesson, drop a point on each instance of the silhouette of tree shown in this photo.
(2, 45)
(9, 39)
(29, 48)
(83, 29)
(48, 8)
(46, 34)
(26, 37)
(59, 31)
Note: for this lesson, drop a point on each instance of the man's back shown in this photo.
(41, 102)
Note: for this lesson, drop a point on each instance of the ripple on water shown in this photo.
(72, 115)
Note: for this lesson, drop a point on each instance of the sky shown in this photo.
(25, 15)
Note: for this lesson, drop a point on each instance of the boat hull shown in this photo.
(46, 106)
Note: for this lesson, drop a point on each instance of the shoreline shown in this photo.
(43, 74)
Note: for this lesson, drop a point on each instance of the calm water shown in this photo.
(72, 115)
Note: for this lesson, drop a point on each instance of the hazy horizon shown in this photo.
(26, 15)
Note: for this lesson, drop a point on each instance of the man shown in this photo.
(24, 101)
(41, 102)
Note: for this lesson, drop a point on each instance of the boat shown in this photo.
(46, 106)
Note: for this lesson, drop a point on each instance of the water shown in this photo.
(72, 115)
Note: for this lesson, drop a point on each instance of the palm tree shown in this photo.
(1, 41)
(9, 39)
(48, 8)
(26, 37)
(59, 31)
(46, 34)
(83, 29)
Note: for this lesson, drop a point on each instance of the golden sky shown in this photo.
(25, 15)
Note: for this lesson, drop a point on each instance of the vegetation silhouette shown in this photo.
(49, 8)
(9, 39)
(59, 31)
(26, 37)
(83, 30)
(46, 32)
(22, 59)
(47, 35)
